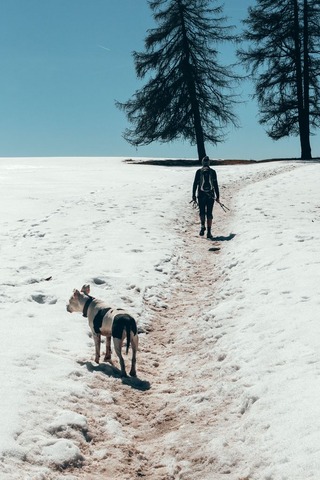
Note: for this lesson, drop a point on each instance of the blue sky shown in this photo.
(65, 62)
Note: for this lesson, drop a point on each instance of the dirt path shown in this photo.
(149, 418)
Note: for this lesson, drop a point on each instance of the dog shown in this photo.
(107, 321)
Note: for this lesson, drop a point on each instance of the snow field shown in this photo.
(121, 228)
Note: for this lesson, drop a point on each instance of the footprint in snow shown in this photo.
(42, 298)
(99, 281)
(214, 249)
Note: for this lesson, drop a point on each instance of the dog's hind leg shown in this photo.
(134, 340)
(117, 342)
(107, 357)
(97, 343)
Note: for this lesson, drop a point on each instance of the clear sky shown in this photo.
(65, 62)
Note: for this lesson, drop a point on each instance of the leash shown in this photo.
(224, 207)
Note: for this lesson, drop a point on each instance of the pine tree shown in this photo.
(283, 56)
(188, 93)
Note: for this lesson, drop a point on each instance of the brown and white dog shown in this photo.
(107, 321)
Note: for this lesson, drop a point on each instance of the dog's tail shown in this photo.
(128, 329)
(131, 326)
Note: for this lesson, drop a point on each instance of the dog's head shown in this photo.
(77, 300)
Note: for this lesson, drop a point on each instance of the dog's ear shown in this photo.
(76, 293)
(86, 289)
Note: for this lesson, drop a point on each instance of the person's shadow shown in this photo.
(111, 371)
(221, 238)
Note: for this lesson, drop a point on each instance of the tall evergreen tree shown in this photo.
(188, 93)
(284, 58)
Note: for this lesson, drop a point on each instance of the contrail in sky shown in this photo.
(104, 48)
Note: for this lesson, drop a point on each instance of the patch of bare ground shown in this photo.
(176, 162)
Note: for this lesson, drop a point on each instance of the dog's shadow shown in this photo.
(111, 371)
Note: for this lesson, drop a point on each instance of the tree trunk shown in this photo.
(187, 71)
(199, 132)
(306, 149)
(302, 83)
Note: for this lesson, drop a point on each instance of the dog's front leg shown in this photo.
(97, 343)
(107, 357)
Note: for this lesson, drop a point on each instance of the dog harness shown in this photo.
(97, 321)
(86, 306)
(116, 328)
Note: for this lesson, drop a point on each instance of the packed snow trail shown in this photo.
(160, 440)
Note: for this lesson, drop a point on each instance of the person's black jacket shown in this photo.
(205, 181)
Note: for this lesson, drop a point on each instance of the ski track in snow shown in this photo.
(155, 426)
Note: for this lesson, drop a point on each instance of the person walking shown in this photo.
(205, 184)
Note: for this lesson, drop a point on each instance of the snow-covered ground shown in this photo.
(121, 228)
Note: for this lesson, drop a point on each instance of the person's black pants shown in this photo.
(206, 203)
